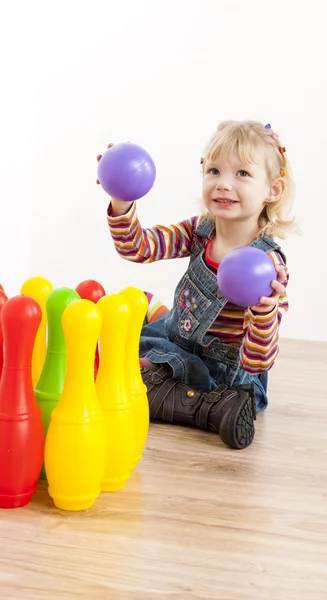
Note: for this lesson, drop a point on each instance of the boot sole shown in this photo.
(237, 427)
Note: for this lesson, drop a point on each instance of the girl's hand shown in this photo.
(266, 305)
(99, 158)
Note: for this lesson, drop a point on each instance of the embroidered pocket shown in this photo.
(187, 324)
(190, 305)
(190, 297)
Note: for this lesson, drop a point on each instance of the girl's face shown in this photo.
(238, 191)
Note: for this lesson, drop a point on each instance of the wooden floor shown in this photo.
(196, 520)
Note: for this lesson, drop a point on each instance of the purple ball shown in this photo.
(244, 275)
(126, 172)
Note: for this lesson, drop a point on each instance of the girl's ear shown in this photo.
(276, 190)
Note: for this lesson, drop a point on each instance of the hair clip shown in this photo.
(201, 161)
(274, 134)
(283, 172)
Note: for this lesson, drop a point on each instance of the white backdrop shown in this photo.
(76, 75)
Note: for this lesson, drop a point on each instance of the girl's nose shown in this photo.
(223, 184)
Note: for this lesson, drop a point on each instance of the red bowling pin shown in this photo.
(3, 300)
(21, 430)
(91, 290)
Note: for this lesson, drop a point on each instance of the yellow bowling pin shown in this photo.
(137, 390)
(112, 393)
(39, 289)
(75, 448)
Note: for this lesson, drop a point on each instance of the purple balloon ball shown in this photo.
(244, 275)
(126, 172)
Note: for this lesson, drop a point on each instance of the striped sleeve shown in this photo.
(156, 308)
(160, 242)
(260, 343)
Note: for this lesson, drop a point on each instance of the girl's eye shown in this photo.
(243, 173)
(214, 171)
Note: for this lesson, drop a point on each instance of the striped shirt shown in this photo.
(256, 334)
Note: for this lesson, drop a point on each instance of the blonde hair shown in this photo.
(244, 138)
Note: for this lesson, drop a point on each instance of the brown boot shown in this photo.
(230, 412)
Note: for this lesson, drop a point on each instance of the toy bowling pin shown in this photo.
(112, 392)
(51, 382)
(21, 431)
(3, 300)
(39, 289)
(75, 447)
(92, 290)
(136, 389)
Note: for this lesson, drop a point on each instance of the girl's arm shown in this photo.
(260, 343)
(160, 242)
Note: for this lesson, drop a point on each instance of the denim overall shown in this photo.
(180, 338)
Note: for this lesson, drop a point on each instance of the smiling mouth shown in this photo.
(224, 201)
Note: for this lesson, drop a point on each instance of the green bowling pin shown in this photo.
(51, 381)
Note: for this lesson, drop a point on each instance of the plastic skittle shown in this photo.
(136, 388)
(39, 289)
(51, 382)
(112, 392)
(21, 431)
(3, 300)
(75, 447)
(92, 290)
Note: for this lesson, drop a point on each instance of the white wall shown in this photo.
(77, 75)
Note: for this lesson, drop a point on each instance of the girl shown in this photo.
(205, 362)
